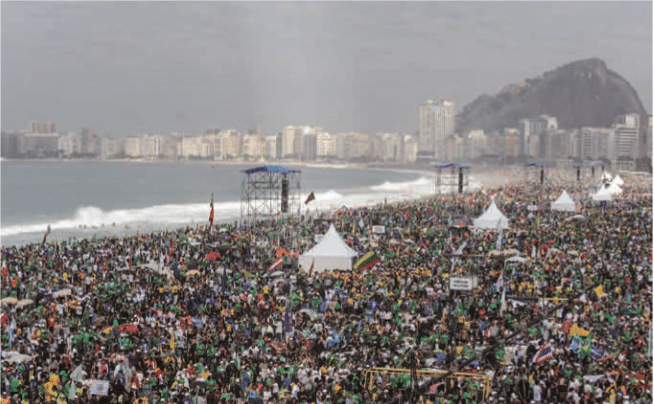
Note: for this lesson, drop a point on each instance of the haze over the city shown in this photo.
(132, 67)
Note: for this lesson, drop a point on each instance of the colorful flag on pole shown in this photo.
(543, 354)
(310, 198)
(276, 265)
(433, 389)
(369, 260)
(313, 265)
(211, 213)
(47, 233)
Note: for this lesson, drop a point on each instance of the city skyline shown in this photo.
(184, 67)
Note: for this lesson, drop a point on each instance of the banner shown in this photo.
(460, 283)
(379, 229)
(99, 387)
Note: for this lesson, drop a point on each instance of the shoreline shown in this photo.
(133, 228)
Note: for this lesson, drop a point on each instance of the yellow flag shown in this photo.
(599, 291)
(172, 341)
(574, 330)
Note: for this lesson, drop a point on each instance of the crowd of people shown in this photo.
(196, 316)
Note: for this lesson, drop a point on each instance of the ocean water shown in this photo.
(82, 199)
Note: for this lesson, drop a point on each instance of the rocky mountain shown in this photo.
(582, 93)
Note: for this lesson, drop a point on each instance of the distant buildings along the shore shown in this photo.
(627, 144)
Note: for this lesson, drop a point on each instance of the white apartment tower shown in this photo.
(437, 122)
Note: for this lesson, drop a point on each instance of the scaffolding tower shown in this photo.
(589, 164)
(269, 191)
(535, 172)
(452, 176)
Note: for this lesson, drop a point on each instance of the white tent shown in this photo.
(330, 253)
(614, 189)
(617, 180)
(493, 218)
(602, 195)
(606, 176)
(564, 203)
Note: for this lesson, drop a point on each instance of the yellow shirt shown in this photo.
(49, 389)
(54, 379)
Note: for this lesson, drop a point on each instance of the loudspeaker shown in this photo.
(284, 194)
(460, 180)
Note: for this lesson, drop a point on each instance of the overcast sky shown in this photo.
(132, 67)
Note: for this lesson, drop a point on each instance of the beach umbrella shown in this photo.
(9, 300)
(24, 302)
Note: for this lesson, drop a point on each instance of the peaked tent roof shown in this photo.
(564, 203)
(617, 180)
(614, 189)
(492, 218)
(331, 245)
(602, 195)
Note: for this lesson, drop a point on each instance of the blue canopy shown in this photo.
(448, 165)
(270, 169)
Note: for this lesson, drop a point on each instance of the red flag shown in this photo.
(276, 265)
(433, 389)
(211, 214)
(310, 198)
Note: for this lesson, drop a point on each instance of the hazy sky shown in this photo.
(131, 67)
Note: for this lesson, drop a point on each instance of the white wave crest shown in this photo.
(91, 216)
(422, 185)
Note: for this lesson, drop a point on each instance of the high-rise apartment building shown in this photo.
(437, 122)
(626, 128)
(288, 140)
(596, 143)
(9, 146)
(41, 127)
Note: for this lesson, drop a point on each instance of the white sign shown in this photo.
(318, 237)
(379, 229)
(532, 208)
(100, 387)
(460, 283)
